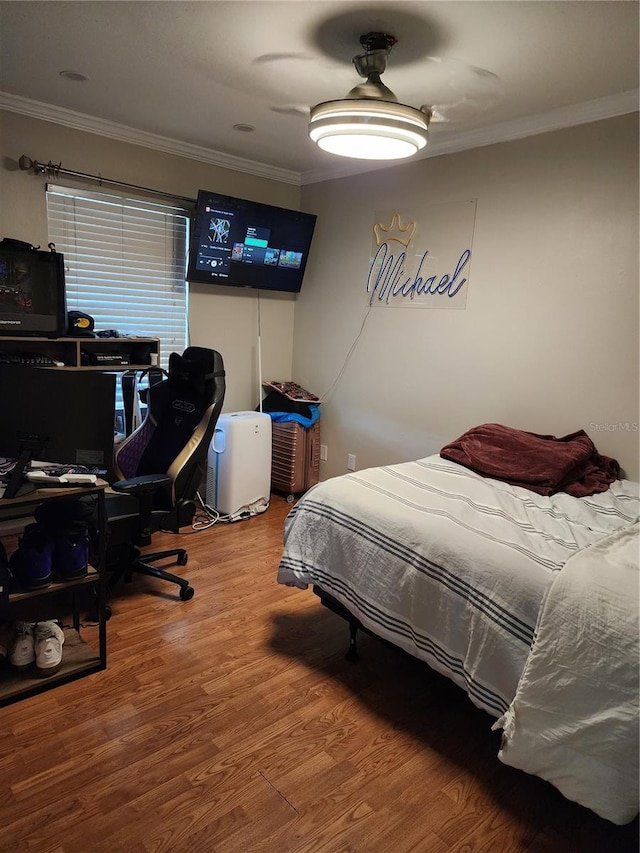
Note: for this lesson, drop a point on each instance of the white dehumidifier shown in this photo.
(239, 464)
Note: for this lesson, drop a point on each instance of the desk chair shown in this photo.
(133, 395)
(159, 466)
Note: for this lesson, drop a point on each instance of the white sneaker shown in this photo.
(48, 647)
(7, 634)
(22, 652)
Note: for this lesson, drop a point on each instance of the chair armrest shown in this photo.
(144, 484)
(143, 488)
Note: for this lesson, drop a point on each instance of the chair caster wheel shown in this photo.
(290, 499)
(187, 593)
(182, 559)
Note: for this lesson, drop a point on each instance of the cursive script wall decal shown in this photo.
(434, 276)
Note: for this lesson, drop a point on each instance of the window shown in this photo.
(125, 262)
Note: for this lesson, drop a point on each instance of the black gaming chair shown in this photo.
(159, 466)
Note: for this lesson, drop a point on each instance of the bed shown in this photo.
(456, 568)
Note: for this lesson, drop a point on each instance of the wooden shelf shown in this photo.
(91, 577)
(78, 660)
(79, 353)
(57, 601)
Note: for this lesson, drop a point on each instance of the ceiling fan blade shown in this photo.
(301, 110)
(460, 90)
(266, 58)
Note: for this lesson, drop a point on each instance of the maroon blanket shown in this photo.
(541, 463)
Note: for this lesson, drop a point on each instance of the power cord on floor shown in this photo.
(204, 517)
(207, 516)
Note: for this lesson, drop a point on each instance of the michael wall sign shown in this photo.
(424, 260)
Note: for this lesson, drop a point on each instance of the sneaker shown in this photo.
(31, 562)
(7, 634)
(22, 653)
(5, 579)
(71, 556)
(48, 647)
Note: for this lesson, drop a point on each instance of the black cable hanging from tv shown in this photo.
(53, 170)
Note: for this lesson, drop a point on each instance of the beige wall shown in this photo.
(221, 318)
(548, 341)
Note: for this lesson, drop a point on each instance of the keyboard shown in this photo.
(43, 475)
(58, 470)
(37, 359)
(42, 479)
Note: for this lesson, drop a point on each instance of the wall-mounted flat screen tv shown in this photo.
(242, 243)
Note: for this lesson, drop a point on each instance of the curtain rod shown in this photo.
(53, 171)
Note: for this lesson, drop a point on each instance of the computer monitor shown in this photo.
(60, 416)
(32, 291)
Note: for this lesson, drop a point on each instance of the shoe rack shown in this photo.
(61, 600)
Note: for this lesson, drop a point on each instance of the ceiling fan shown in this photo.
(369, 123)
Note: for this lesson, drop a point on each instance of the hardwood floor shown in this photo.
(233, 723)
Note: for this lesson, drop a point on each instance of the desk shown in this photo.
(79, 658)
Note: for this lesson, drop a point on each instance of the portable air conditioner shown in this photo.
(239, 464)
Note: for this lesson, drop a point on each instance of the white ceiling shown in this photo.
(179, 75)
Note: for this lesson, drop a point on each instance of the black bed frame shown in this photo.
(355, 624)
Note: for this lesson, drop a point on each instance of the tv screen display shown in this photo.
(242, 243)
(32, 292)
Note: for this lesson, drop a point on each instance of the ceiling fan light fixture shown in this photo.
(370, 124)
(368, 129)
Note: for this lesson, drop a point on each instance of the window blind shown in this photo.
(125, 262)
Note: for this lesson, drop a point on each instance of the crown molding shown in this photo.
(123, 133)
(449, 143)
(562, 117)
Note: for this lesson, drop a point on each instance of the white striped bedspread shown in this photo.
(448, 565)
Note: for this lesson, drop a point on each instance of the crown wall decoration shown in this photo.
(394, 231)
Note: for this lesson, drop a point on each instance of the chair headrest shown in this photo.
(196, 367)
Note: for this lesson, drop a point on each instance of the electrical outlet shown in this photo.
(351, 462)
(323, 452)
